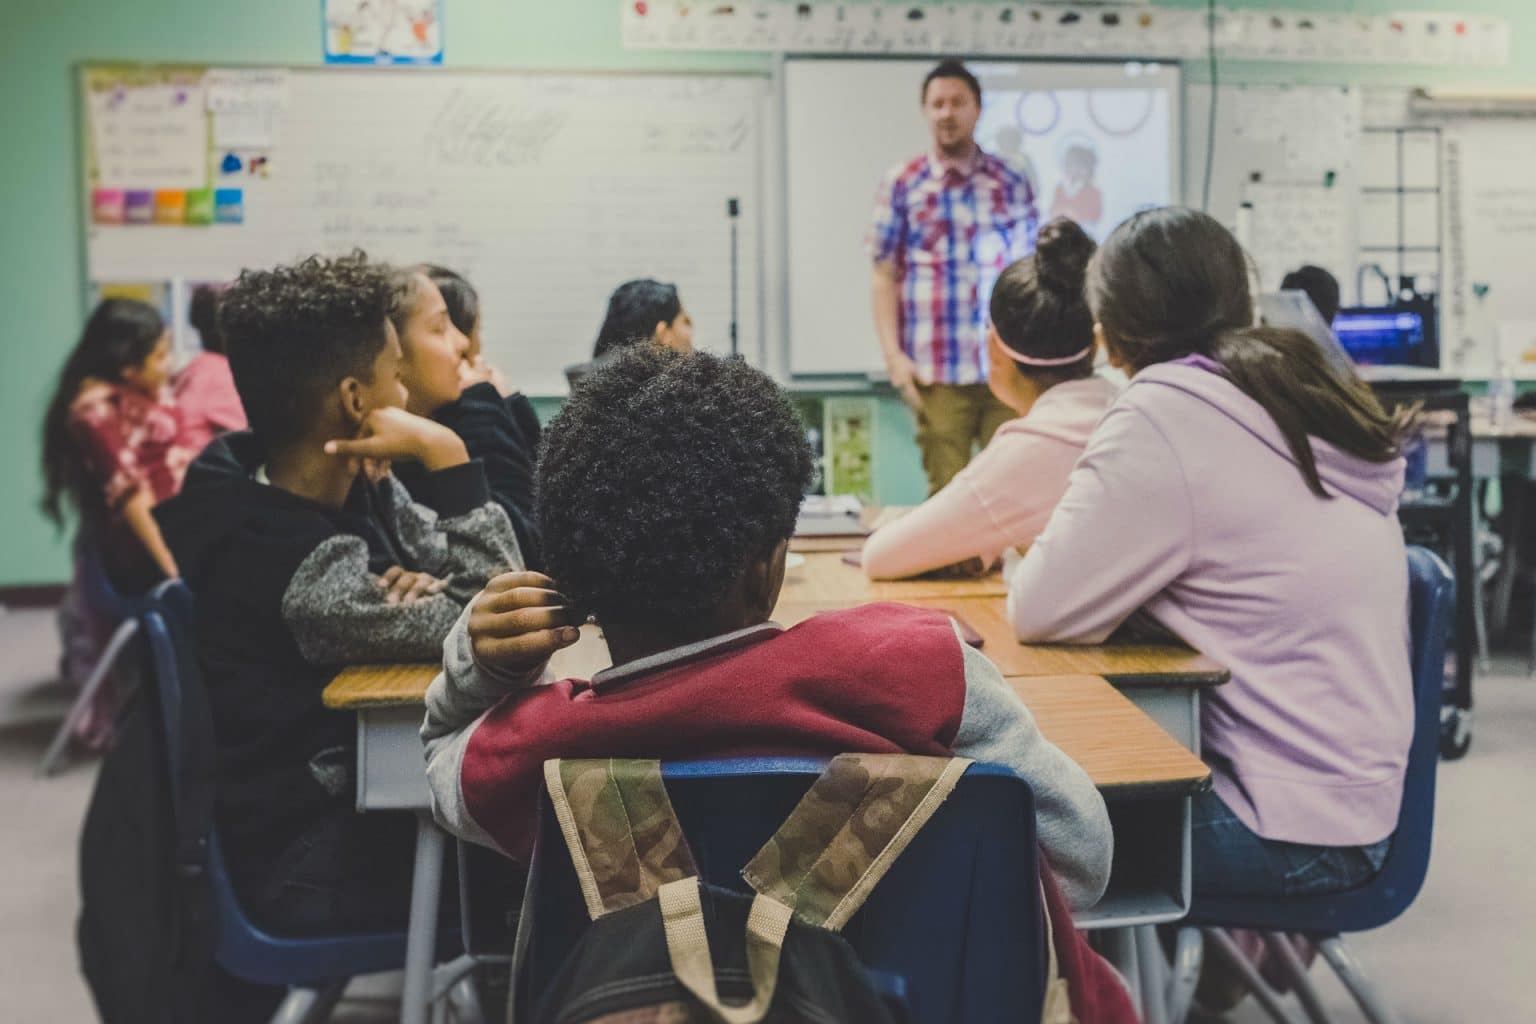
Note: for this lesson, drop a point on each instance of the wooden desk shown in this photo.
(827, 580)
(1121, 749)
(1125, 665)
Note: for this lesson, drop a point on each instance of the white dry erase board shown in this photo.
(849, 121)
(545, 189)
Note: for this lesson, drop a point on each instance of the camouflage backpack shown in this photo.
(667, 947)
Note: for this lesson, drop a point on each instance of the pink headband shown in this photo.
(1036, 361)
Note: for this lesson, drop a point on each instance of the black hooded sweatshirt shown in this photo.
(288, 594)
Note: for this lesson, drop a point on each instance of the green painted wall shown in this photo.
(41, 286)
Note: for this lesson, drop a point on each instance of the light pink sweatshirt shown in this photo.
(1006, 494)
(1187, 503)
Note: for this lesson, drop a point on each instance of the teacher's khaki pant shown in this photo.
(955, 420)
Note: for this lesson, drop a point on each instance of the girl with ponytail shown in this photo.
(1042, 354)
(1243, 493)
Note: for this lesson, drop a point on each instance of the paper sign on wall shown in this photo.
(367, 32)
(149, 135)
(245, 104)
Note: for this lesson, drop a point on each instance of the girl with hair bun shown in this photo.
(1042, 354)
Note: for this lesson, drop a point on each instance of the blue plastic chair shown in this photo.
(955, 930)
(315, 970)
(110, 605)
(1381, 900)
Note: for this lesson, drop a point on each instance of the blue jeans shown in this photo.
(1230, 859)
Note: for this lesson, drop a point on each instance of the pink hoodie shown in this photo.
(1187, 503)
(1004, 497)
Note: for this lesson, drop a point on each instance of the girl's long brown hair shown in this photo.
(1172, 282)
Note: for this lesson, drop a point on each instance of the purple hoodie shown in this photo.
(1187, 503)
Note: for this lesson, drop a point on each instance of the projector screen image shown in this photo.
(1097, 141)
(1094, 155)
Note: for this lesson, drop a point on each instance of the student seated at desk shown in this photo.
(205, 389)
(113, 446)
(671, 529)
(1041, 347)
(639, 311)
(464, 310)
(445, 386)
(1243, 494)
(305, 558)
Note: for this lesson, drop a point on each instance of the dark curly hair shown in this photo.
(295, 332)
(661, 477)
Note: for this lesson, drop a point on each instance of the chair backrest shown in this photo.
(1431, 597)
(241, 947)
(957, 920)
(97, 589)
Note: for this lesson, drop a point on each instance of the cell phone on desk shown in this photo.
(853, 558)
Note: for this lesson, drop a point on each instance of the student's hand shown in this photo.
(391, 433)
(519, 621)
(478, 371)
(903, 374)
(401, 586)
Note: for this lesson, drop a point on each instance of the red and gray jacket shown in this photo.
(880, 678)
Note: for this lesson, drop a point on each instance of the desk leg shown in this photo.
(421, 941)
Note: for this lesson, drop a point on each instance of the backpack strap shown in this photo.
(620, 828)
(682, 918)
(848, 830)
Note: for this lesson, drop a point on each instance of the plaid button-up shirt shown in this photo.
(949, 230)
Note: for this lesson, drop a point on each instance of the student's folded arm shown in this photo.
(1122, 532)
(453, 529)
(952, 526)
(456, 701)
(1071, 820)
(335, 610)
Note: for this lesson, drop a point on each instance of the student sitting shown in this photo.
(205, 389)
(433, 368)
(1320, 286)
(283, 539)
(1041, 351)
(671, 529)
(1242, 493)
(113, 447)
(464, 310)
(638, 311)
(112, 440)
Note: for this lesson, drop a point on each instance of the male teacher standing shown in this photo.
(946, 224)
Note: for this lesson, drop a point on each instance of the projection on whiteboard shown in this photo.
(1097, 141)
(1094, 155)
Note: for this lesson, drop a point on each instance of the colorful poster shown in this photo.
(366, 32)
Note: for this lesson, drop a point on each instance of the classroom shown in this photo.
(889, 510)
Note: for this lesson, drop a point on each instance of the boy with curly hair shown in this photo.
(668, 487)
(305, 556)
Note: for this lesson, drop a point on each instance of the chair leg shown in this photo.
(1153, 964)
(1188, 954)
(309, 1005)
(1120, 950)
(1223, 947)
(1353, 976)
(1280, 947)
(52, 757)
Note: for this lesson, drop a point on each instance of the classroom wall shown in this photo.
(41, 286)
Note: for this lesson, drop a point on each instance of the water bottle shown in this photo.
(1501, 397)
